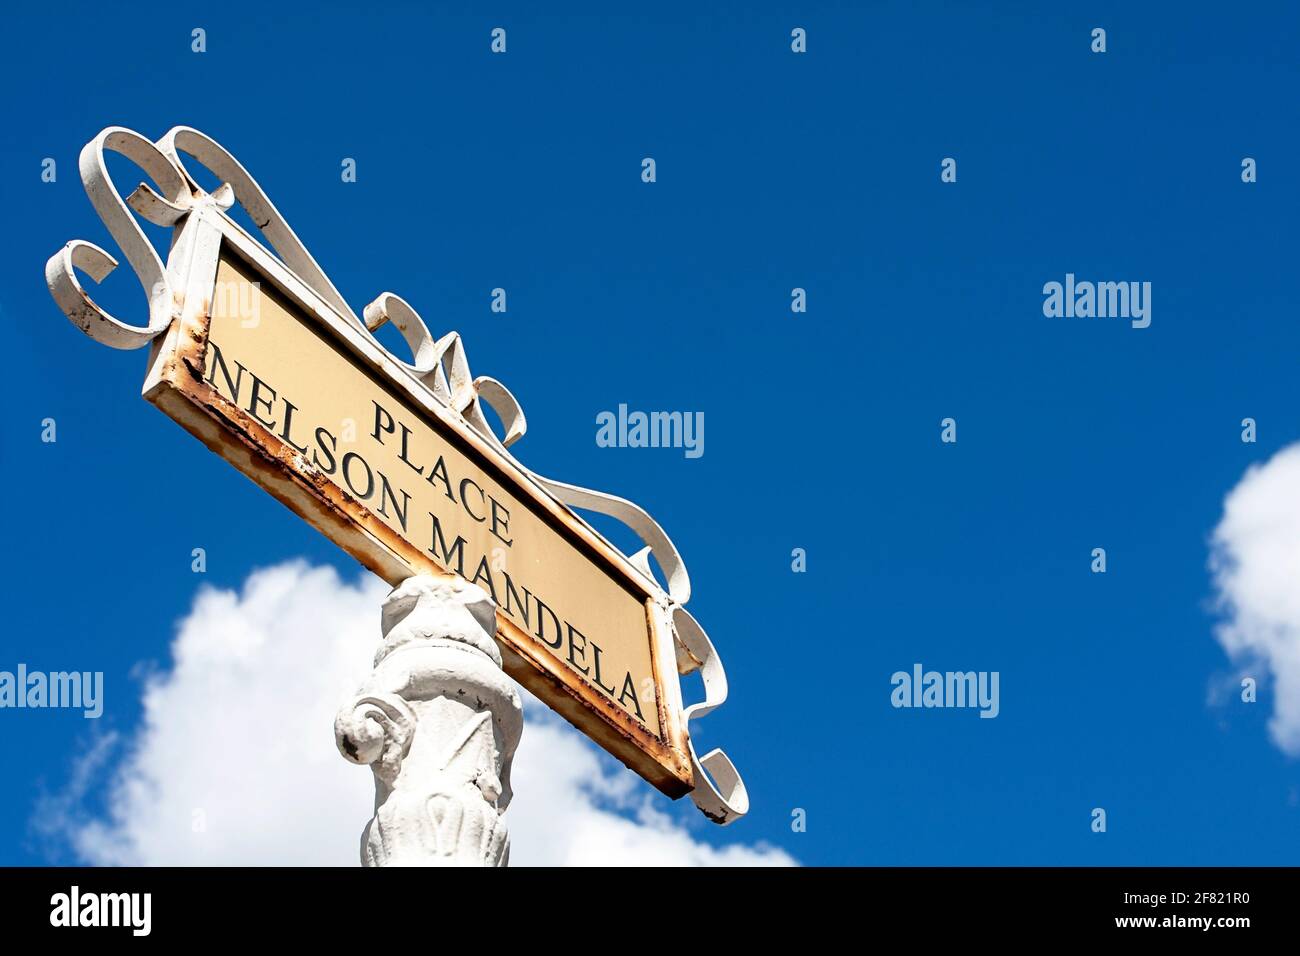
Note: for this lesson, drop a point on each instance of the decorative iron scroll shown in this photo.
(439, 365)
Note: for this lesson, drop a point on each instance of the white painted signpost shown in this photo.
(254, 352)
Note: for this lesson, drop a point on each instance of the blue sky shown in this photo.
(774, 170)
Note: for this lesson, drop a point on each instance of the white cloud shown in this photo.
(1255, 561)
(235, 760)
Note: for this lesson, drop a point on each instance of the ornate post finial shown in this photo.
(438, 722)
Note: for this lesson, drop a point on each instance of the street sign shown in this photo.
(254, 352)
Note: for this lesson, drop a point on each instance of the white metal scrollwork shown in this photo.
(440, 365)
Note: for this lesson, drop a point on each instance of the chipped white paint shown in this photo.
(438, 722)
(439, 366)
